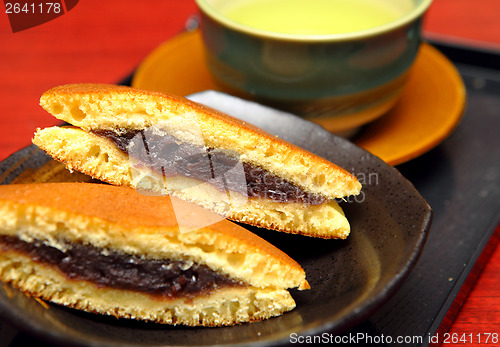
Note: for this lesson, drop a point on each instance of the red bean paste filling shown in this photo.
(122, 271)
(166, 155)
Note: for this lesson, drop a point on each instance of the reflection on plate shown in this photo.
(429, 109)
(349, 278)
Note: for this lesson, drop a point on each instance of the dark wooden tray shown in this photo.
(460, 179)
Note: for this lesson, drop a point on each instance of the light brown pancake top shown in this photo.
(297, 160)
(211, 114)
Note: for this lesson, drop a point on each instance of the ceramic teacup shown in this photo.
(340, 80)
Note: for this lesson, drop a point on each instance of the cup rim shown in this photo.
(401, 21)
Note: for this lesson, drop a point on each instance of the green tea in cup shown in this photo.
(315, 17)
(339, 63)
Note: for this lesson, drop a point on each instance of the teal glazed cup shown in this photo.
(340, 81)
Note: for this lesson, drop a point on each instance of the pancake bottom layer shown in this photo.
(227, 306)
(101, 159)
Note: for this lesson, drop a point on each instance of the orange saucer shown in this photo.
(429, 109)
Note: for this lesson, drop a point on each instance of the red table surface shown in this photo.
(104, 41)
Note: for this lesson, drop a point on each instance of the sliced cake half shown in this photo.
(111, 250)
(164, 143)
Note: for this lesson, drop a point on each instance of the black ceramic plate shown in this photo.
(349, 278)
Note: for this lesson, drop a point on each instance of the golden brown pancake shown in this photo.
(112, 250)
(121, 135)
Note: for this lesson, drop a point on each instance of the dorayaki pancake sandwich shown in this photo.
(111, 250)
(155, 141)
